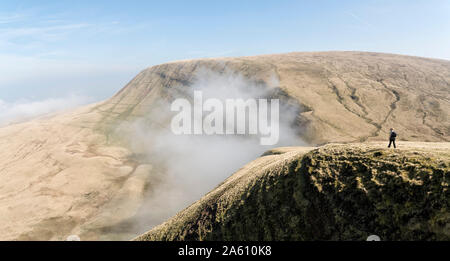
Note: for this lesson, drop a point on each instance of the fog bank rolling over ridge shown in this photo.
(98, 171)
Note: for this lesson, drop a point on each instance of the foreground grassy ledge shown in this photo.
(335, 192)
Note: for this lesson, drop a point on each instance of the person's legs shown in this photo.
(393, 142)
(390, 141)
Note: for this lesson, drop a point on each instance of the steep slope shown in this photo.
(75, 173)
(335, 192)
(342, 96)
(58, 173)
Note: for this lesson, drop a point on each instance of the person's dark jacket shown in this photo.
(393, 135)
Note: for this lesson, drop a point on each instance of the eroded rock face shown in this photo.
(336, 192)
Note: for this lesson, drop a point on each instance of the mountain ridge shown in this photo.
(334, 192)
(68, 173)
(329, 72)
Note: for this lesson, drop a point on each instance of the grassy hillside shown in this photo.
(74, 173)
(335, 192)
(341, 96)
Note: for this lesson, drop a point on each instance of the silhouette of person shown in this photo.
(392, 137)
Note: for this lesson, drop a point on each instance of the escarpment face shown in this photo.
(103, 171)
(343, 96)
(335, 192)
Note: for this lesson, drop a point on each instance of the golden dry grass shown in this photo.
(64, 174)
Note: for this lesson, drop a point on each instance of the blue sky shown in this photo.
(53, 49)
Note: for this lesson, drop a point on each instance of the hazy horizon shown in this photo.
(57, 50)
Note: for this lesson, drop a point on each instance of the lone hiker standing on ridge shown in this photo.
(392, 138)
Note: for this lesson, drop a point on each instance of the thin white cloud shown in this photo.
(31, 31)
(360, 20)
(25, 110)
(39, 32)
(11, 18)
